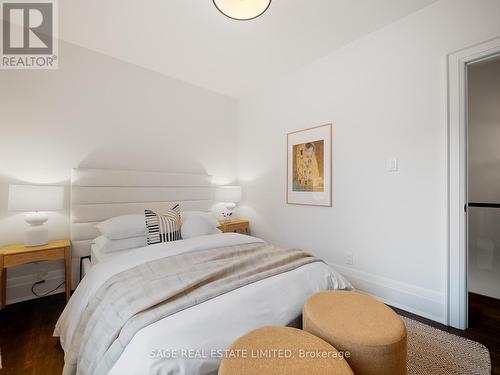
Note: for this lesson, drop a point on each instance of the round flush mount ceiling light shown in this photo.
(242, 10)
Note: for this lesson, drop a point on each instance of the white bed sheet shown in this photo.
(183, 343)
(97, 255)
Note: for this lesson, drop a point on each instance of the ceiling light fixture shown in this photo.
(242, 10)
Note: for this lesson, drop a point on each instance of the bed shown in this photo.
(192, 340)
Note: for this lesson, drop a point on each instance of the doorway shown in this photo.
(457, 306)
(483, 191)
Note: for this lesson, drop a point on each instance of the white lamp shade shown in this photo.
(228, 194)
(242, 9)
(31, 198)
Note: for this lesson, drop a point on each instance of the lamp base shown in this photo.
(37, 233)
(228, 215)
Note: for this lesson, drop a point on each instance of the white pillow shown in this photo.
(207, 215)
(197, 225)
(107, 245)
(125, 226)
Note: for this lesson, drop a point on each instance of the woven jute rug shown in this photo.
(435, 352)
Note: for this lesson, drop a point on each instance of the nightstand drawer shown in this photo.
(17, 259)
(238, 226)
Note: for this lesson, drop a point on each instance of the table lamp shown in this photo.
(229, 195)
(36, 200)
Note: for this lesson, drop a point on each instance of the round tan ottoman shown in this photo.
(373, 334)
(282, 351)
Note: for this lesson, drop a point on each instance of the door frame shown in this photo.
(457, 301)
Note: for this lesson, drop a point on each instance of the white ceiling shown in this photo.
(191, 41)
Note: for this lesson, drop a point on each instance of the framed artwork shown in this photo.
(309, 166)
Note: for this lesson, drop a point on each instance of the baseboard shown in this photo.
(19, 288)
(423, 302)
(420, 301)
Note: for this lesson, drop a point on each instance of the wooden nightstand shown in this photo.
(15, 255)
(238, 226)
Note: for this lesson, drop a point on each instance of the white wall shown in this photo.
(386, 94)
(484, 177)
(96, 111)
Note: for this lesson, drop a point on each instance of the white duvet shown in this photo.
(192, 341)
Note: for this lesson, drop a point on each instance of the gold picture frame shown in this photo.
(309, 166)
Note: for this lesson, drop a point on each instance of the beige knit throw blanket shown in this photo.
(145, 294)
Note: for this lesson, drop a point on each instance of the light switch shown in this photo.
(349, 259)
(392, 165)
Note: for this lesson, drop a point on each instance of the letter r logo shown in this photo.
(27, 28)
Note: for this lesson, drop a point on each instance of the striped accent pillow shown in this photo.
(163, 227)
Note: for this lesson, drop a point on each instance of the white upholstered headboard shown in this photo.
(99, 194)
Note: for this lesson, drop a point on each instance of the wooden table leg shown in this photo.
(3, 283)
(67, 264)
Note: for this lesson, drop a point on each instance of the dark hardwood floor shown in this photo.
(484, 326)
(28, 347)
(26, 340)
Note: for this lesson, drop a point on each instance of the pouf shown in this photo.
(372, 333)
(282, 351)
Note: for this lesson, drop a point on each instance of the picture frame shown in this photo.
(309, 166)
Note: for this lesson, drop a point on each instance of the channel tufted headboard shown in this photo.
(99, 194)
